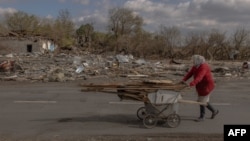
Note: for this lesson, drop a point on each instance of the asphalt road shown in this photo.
(52, 110)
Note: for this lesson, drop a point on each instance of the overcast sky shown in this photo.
(191, 15)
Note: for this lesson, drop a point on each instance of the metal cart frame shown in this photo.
(161, 106)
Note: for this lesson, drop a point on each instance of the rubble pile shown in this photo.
(64, 67)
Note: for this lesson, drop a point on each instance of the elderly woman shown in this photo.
(203, 82)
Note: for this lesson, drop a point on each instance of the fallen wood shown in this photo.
(140, 97)
(136, 75)
(109, 85)
(134, 90)
(147, 85)
(139, 91)
(169, 82)
(9, 78)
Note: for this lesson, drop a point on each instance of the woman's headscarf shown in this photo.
(198, 60)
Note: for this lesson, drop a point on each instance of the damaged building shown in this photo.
(25, 45)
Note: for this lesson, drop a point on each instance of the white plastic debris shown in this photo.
(122, 58)
(79, 69)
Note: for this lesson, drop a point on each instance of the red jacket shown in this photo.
(203, 80)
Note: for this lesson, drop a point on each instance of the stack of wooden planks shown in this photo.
(134, 90)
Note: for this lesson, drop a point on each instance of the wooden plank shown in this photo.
(111, 85)
(136, 75)
(102, 85)
(136, 88)
(144, 87)
(169, 82)
(191, 102)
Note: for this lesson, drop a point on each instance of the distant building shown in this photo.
(25, 45)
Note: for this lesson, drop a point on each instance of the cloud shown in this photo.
(224, 10)
(96, 18)
(49, 17)
(4, 1)
(185, 14)
(7, 10)
(221, 14)
(62, 1)
(190, 14)
(83, 2)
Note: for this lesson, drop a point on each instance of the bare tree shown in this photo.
(46, 28)
(195, 43)
(84, 34)
(143, 45)
(213, 45)
(239, 42)
(64, 29)
(171, 37)
(123, 22)
(22, 23)
(218, 45)
(3, 30)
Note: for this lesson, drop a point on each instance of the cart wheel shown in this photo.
(150, 121)
(141, 113)
(173, 120)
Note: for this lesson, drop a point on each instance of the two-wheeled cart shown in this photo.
(161, 99)
(161, 106)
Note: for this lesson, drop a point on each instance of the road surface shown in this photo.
(62, 110)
